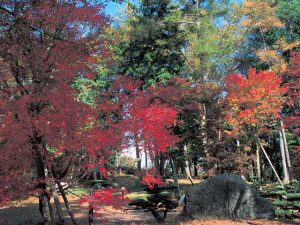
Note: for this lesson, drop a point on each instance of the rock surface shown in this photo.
(226, 196)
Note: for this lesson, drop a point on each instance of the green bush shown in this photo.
(283, 213)
(281, 203)
(293, 196)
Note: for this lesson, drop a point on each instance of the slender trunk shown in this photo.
(156, 165)
(258, 167)
(238, 144)
(45, 208)
(273, 168)
(162, 165)
(219, 135)
(95, 174)
(286, 178)
(44, 198)
(195, 167)
(288, 160)
(146, 161)
(57, 203)
(252, 168)
(175, 178)
(138, 157)
(187, 165)
(204, 131)
(72, 170)
(63, 194)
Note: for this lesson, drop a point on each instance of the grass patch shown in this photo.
(137, 195)
(78, 191)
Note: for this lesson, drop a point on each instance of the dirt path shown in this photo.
(27, 213)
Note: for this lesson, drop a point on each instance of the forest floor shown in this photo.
(26, 212)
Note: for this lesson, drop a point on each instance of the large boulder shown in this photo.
(226, 196)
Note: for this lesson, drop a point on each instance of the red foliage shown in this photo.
(44, 45)
(151, 181)
(292, 115)
(253, 100)
(105, 197)
(147, 120)
(292, 83)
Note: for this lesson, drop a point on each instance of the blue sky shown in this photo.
(112, 7)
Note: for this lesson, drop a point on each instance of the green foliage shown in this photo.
(152, 51)
(293, 196)
(289, 12)
(128, 164)
(283, 213)
(213, 36)
(296, 205)
(281, 203)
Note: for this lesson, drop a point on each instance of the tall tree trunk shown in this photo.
(45, 208)
(95, 174)
(63, 194)
(258, 166)
(286, 178)
(162, 165)
(156, 165)
(288, 160)
(138, 157)
(175, 178)
(57, 203)
(204, 130)
(195, 160)
(187, 165)
(146, 161)
(44, 198)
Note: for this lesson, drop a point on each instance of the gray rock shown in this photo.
(226, 196)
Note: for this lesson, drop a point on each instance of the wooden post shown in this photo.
(273, 168)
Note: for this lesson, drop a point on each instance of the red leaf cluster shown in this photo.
(150, 181)
(253, 100)
(99, 199)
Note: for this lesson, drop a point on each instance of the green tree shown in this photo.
(213, 37)
(151, 50)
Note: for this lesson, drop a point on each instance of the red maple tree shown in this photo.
(254, 101)
(291, 80)
(142, 121)
(44, 45)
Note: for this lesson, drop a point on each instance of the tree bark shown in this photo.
(258, 166)
(138, 157)
(45, 208)
(204, 131)
(162, 165)
(175, 178)
(187, 165)
(57, 203)
(286, 178)
(44, 198)
(288, 160)
(95, 173)
(63, 194)
(156, 165)
(146, 161)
